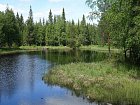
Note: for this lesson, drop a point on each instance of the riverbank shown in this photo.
(102, 81)
(100, 48)
(91, 47)
(35, 48)
(46, 47)
(5, 51)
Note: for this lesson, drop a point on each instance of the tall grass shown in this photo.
(46, 47)
(5, 51)
(100, 48)
(99, 81)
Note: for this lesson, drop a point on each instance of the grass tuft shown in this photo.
(99, 81)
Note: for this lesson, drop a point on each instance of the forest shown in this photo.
(119, 24)
(54, 31)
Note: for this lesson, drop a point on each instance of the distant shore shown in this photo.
(35, 48)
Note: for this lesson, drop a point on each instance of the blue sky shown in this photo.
(74, 8)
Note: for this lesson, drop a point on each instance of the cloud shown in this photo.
(20, 11)
(57, 11)
(56, 1)
(3, 7)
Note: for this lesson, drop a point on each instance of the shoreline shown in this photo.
(101, 82)
(21, 49)
(36, 48)
(5, 51)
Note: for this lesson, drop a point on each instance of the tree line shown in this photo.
(119, 24)
(54, 31)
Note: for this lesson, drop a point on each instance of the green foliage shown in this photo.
(56, 31)
(127, 30)
(10, 28)
(119, 25)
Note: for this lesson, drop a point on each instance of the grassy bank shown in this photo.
(34, 48)
(46, 47)
(100, 48)
(4, 51)
(100, 81)
(91, 47)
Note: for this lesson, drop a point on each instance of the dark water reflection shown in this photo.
(64, 57)
(21, 78)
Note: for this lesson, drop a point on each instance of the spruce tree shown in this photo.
(2, 36)
(22, 26)
(30, 29)
(83, 30)
(43, 21)
(50, 29)
(18, 38)
(50, 17)
(63, 29)
(10, 27)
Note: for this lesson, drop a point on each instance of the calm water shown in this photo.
(21, 78)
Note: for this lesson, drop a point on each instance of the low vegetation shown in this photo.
(100, 48)
(102, 81)
(21, 49)
(45, 47)
(4, 51)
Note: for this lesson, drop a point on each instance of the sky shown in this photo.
(74, 9)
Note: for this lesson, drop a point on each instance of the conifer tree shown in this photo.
(30, 28)
(50, 17)
(2, 36)
(10, 27)
(83, 30)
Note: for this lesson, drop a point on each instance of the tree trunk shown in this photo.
(103, 38)
(109, 44)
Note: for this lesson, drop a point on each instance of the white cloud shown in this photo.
(3, 7)
(55, 1)
(20, 11)
(57, 11)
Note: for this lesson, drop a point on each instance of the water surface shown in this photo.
(21, 78)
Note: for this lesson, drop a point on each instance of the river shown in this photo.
(21, 78)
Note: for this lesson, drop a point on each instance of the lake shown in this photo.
(21, 77)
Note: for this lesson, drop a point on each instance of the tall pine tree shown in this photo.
(30, 28)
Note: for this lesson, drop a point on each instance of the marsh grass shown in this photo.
(5, 51)
(101, 81)
(46, 47)
(91, 47)
(66, 48)
(100, 48)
